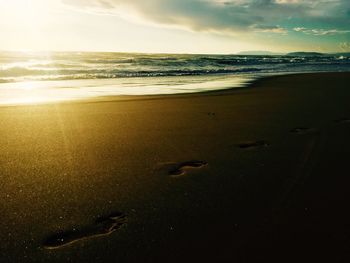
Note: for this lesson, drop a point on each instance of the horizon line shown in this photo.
(168, 53)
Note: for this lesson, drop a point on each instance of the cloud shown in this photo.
(270, 29)
(345, 46)
(233, 16)
(321, 32)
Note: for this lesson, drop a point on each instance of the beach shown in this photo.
(255, 174)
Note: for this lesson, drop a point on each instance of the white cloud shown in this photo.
(270, 29)
(320, 32)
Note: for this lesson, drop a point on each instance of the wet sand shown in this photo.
(257, 174)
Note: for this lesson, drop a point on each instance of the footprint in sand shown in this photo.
(304, 130)
(342, 121)
(102, 227)
(181, 168)
(253, 144)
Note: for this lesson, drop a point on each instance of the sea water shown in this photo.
(27, 77)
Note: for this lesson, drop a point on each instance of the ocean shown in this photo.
(58, 76)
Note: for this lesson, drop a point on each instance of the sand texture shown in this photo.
(257, 174)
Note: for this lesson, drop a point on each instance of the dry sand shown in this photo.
(259, 174)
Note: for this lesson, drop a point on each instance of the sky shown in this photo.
(175, 26)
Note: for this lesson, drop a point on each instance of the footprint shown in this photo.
(102, 227)
(304, 130)
(181, 168)
(341, 121)
(209, 113)
(253, 144)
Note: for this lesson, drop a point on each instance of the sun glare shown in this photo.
(27, 100)
(29, 14)
(28, 86)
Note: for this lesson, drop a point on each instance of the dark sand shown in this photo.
(265, 176)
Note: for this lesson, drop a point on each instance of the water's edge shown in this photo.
(247, 82)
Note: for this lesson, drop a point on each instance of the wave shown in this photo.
(25, 74)
(65, 66)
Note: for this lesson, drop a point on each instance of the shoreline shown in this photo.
(254, 82)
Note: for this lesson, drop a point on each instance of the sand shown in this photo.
(258, 174)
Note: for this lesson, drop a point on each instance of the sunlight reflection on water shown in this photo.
(35, 92)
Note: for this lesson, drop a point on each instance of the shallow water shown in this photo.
(33, 92)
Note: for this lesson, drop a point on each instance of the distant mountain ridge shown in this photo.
(293, 54)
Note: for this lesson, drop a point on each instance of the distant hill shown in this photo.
(306, 54)
(259, 53)
(292, 54)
